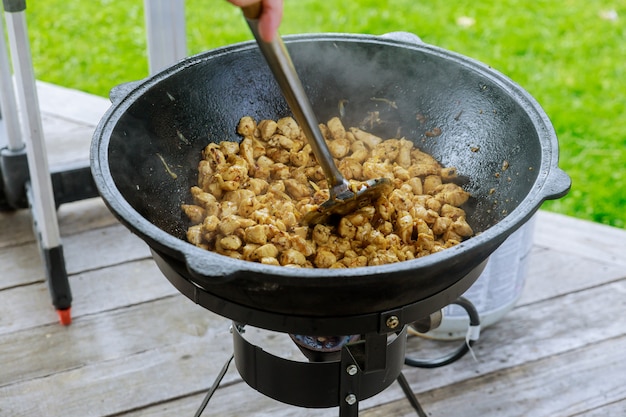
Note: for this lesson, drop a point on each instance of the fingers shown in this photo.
(270, 19)
(242, 3)
(271, 15)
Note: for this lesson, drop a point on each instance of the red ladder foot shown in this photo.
(65, 316)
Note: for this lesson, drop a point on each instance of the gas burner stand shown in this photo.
(360, 370)
(365, 368)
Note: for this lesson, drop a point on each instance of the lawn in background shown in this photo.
(569, 54)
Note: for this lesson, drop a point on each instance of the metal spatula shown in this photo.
(343, 199)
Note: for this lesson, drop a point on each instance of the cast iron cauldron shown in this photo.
(146, 149)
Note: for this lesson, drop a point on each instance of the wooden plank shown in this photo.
(94, 292)
(83, 251)
(232, 400)
(552, 273)
(79, 216)
(67, 141)
(529, 334)
(617, 409)
(16, 227)
(116, 334)
(98, 248)
(21, 265)
(83, 215)
(536, 331)
(73, 105)
(563, 385)
(239, 400)
(115, 386)
(538, 349)
(581, 238)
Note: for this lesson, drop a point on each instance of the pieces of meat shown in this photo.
(252, 195)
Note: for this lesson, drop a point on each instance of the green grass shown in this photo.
(570, 55)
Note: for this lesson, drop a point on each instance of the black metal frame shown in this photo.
(340, 377)
(366, 367)
(70, 182)
(379, 322)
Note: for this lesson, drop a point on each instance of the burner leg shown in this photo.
(214, 387)
(359, 374)
(404, 384)
(349, 384)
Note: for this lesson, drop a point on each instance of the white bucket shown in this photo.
(496, 290)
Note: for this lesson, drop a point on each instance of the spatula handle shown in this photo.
(279, 61)
(253, 11)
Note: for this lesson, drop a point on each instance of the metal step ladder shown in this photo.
(26, 180)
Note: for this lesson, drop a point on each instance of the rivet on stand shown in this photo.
(393, 322)
(351, 399)
(352, 370)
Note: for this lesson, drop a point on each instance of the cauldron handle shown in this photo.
(120, 91)
(557, 184)
(216, 268)
(403, 37)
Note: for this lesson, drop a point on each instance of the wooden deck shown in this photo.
(139, 348)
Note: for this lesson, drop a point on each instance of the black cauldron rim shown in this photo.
(551, 183)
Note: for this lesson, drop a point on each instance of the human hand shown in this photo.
(271, 15)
